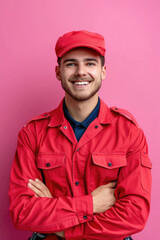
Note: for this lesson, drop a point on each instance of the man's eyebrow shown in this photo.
(70, 60)
(75, 60)
(91, 59)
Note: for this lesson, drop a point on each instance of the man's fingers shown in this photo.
(39, 188)
(111, 185)
(36, 190)
(37, 183)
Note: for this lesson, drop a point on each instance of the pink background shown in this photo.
(29, 87)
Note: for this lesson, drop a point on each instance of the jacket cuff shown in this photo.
(84, 209)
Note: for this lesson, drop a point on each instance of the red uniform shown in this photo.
(112, 148)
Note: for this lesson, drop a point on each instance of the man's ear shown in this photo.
(58, 73)
(103, 73)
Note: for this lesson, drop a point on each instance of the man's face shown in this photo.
(81, 73)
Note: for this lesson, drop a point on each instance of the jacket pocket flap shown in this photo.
(110, 161)
(49, 161)
(145, 161)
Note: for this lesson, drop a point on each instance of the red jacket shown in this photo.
(113, 148)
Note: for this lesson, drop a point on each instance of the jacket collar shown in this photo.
(57, 117)
(105, 116)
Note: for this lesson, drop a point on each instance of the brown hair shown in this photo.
(101, 57)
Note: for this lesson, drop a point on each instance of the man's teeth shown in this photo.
(81, 83)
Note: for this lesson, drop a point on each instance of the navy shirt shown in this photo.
(80, 127)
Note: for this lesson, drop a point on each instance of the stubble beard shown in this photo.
(78, 97)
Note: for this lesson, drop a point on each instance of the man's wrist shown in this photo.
(60, 234)
(94, 205)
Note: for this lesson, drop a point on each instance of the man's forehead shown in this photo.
(81, 53)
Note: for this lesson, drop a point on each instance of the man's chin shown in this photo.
(81, 98)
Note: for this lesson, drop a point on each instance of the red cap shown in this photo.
(80, 39)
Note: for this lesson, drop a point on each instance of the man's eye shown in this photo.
(70, 64)
(91, 64)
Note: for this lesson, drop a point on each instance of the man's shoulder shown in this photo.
(44, 116)
(52, 117)
(125, 114)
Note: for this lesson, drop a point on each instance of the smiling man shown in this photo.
(81, 171)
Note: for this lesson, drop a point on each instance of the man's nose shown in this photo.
(80, 70)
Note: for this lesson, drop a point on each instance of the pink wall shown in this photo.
(29, 87)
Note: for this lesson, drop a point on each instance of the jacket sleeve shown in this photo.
(45, 215)
(131, 210)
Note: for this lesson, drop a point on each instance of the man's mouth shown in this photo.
(80, 83)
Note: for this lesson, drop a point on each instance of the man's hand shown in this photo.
(41, 190)
(103, 197)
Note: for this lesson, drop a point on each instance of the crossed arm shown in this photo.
(126, 217)
(103, 196)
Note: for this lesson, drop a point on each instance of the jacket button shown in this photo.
(48, 164)
(109, 164)
(96, 126)
(77, 183)
(65, 127)
(85, 217)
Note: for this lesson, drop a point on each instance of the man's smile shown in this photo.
(81, 83)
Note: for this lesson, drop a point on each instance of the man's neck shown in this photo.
(80, 110)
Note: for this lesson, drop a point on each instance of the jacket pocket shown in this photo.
(105, 168)
(53, 168)
(50, 161)
(109, 161)
(146, 166)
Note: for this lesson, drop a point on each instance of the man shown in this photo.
(81, 171)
